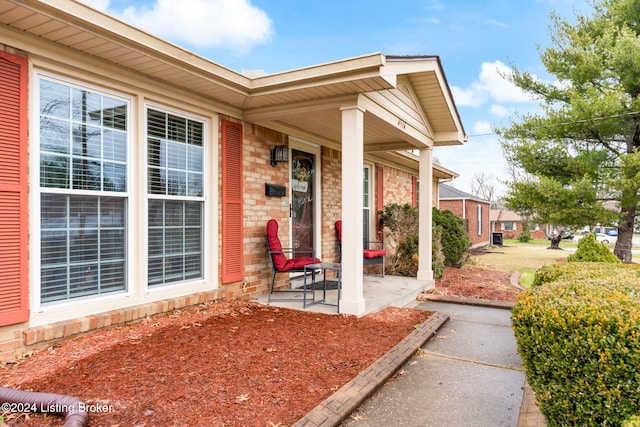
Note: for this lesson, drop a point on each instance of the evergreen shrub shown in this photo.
(578, 332)
(455, 240)
(590, 250)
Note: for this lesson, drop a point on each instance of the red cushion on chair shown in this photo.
(299, 263)
(338, 226)
(279, 260)
(374, 253)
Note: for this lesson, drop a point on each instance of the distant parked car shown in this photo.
(605, 239)
(612, 233)
(565, 235)
(600, 237)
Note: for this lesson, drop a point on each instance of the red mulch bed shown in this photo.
(230, 363)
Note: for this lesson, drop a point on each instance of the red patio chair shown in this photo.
(279, 261)
(374, 252)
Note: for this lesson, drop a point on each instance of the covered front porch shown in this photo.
(378, 292)
(369, 109)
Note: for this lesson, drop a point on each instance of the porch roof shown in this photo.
(407, 100)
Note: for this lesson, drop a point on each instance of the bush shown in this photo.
(450, 243)
(437, 255)
(455, 240)
(401, 239)
(525, 234)
(590, 250)
(578, 332)
(579, 271)
(524, 237)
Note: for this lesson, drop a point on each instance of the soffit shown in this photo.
(321, 89)
(81, 28)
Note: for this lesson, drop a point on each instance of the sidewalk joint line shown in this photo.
(462, 359)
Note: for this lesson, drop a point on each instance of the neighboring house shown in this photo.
(138, 177)
(510, 224)
(473, 210)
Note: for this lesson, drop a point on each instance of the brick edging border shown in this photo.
(333, 410)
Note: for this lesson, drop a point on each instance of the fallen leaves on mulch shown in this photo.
(229, 363)
(474, 281)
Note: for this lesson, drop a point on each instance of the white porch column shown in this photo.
(425, 204)
(352, 301)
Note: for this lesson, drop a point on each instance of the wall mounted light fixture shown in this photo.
(279, 153)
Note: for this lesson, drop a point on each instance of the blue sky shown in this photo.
(474, 39)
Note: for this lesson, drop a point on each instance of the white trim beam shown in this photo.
(425, 215)
(352, 300)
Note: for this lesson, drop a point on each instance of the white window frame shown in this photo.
(511, 228)
(206, 189)
(136, 235)
(367, 201)
(479, 218)
(42, 312)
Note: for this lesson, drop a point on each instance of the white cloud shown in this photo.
(490, 86)
(498, 87)
(499, 110)
(233, 24)
(481, 128)
(98, 4)
(494, 23)
(470, 97)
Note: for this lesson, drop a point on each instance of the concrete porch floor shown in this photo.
(379, 293)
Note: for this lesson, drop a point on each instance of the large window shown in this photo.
(508, 226)
(175, 189)
(83, 192)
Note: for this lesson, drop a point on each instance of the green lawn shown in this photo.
(565, 243)
(525, 258)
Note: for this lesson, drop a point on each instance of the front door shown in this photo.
(303, 168)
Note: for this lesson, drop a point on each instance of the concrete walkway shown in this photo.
(465, 372)
(469, 374)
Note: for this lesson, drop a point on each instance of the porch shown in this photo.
(379, 293)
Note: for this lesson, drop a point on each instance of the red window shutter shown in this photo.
(379, 188)
(414, 191)
(14, 285)
(232, 199)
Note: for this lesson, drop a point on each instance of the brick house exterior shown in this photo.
(509, 223)
(473, 210)
(135, 174)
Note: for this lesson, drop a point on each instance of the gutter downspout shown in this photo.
(71, 407)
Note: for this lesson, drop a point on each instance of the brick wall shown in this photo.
(454, 206)
(397, 186)
(331, 201)
(509, 234)
(469, 213)
(18, 341)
